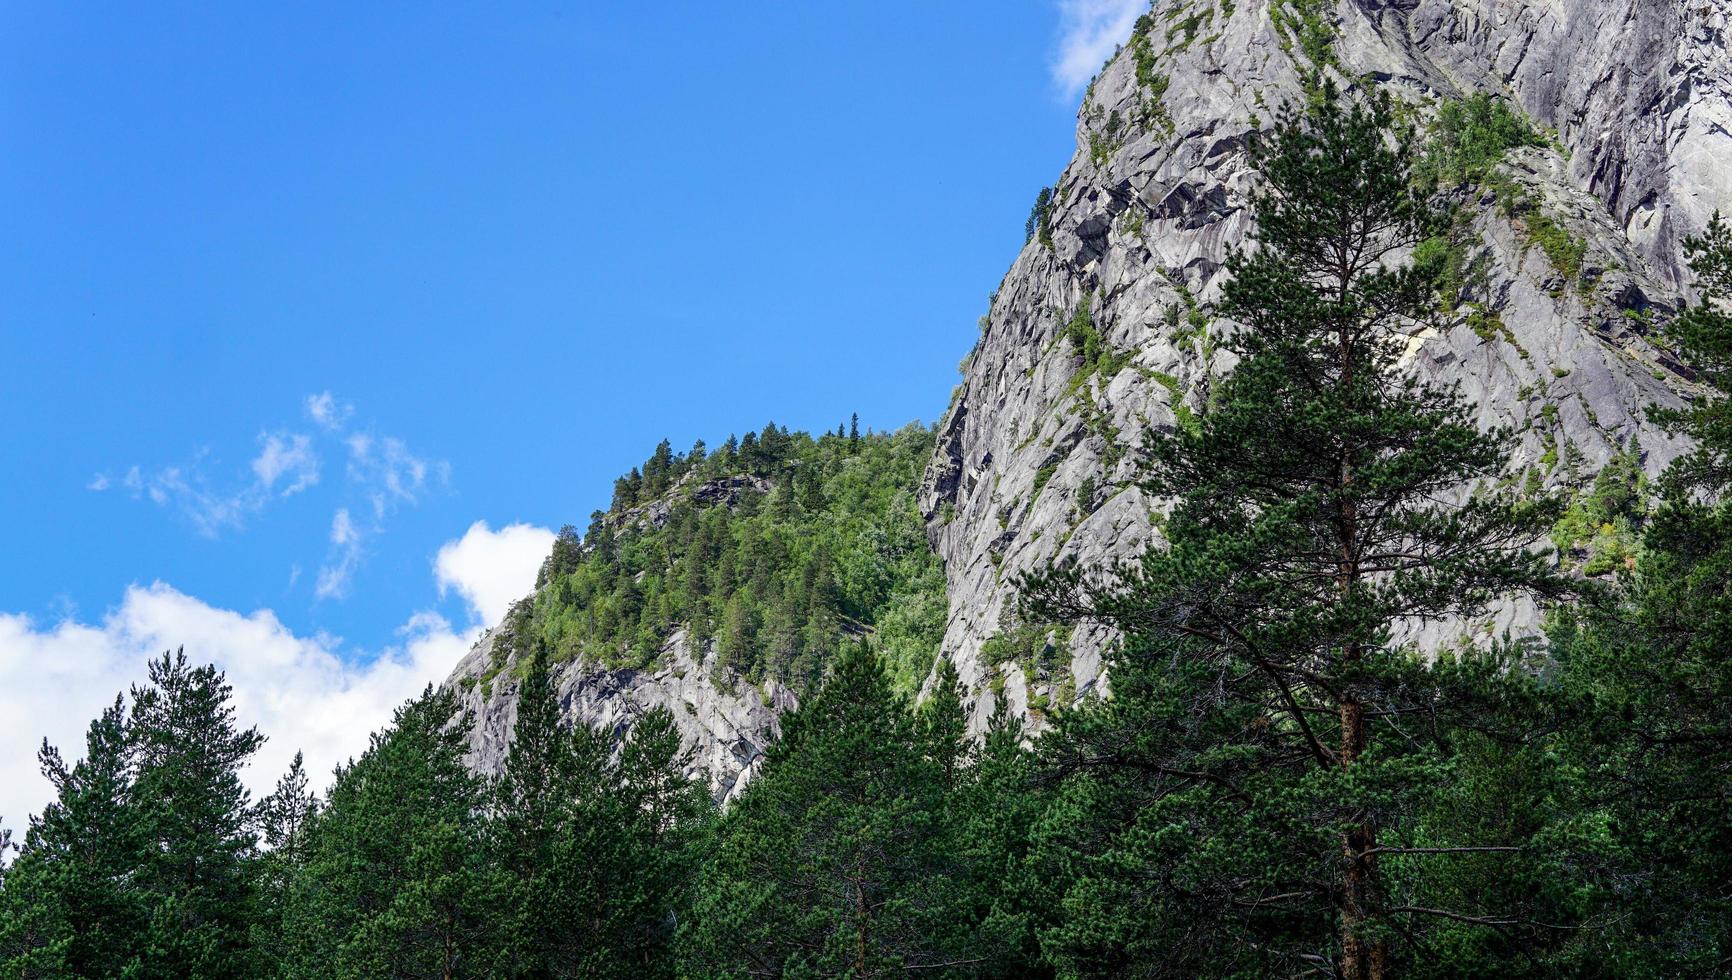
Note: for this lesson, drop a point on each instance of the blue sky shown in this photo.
(296, 295)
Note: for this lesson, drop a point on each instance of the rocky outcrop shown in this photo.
(726, 492)
(728, 727)
(1037, 456)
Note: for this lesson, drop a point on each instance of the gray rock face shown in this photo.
(1036, 457)
(728, 730)
(1034, 465)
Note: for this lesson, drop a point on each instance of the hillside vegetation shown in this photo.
(776, 546)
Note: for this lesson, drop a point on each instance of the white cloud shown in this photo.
(392, 473)
(492, 569)
(333, 580)
(303, 693)
(99, 482)
(1089, 32)
(327, 411)
(210, 512)
(286, 455)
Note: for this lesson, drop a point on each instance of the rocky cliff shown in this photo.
(1571, 260)
(1033, 465)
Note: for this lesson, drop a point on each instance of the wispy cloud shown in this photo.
(392, 474)
(1089, 32)
(285, 464)
(328, 412)
(290, 456)
(381, 474)
(333, 581)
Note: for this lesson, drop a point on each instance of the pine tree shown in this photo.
(1651, 681)
(1253, 755)
(665, 814)
(71, 904)
(944, 727)
(284, 820)
(566, 556)
(189, 753)
(397, 880)
(998, 804)
(556, 839)
(826, 864)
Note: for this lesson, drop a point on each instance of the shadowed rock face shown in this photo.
(1036, 453)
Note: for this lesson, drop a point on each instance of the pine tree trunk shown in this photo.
(450, 970)
(1362, 959)
(860, 922)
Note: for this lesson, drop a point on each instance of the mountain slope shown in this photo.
(1568, 265)
(721, 586)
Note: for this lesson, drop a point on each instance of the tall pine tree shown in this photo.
(1245, 801)
(189, 753)
(72, 905)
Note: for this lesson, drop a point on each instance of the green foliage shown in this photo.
(1151, 82)
(1601, 527)
(1445, 258)
(1039, 222)
(1041, 477)
(1306, 24)
(1562, 248)
(396, 880)
(598, 856)
(1649, 681)
(1565, 250)
(773, 546)
(1488, 325)
(140, 865)
(1470, 137)
(843, 857)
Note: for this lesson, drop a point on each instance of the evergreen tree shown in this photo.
(826, 864)
(557, 839)
(189, 753)
(397, 880)
(1651, 681)
(72, 905)
(998, 805)
(665, 815)
(564, 559)
(944, 727)
(1259, 756)
(284, 820)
